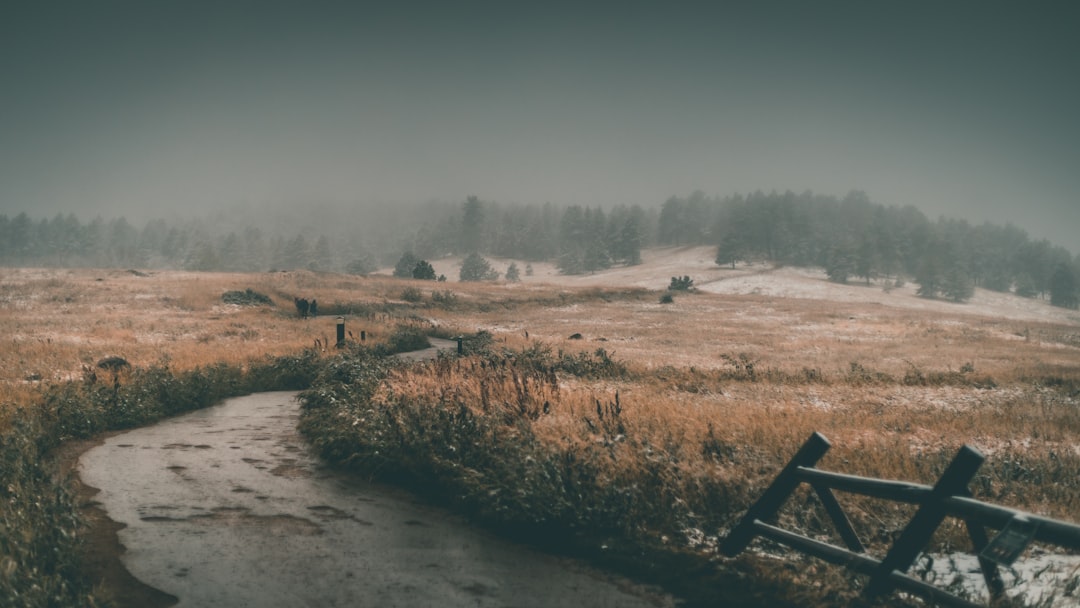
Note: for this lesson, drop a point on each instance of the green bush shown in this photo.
(407, 338)
(246, 298)
(478, 343)
(446, 299)
(599, 364)
(683, 283)
(39, 524)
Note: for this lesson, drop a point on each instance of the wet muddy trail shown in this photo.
(226, 507)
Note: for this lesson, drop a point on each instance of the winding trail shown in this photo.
(227, 507)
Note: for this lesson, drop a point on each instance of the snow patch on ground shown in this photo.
(659, 265)
(1039, 578)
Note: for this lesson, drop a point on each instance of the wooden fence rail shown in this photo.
(948, 497)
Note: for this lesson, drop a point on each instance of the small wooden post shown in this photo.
(363, 335)
(340, 332)
(460, 345)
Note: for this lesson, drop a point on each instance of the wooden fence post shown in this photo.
(931, 513)
(773, 498)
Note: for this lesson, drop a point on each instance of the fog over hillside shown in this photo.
(851, 239)
(148, 110)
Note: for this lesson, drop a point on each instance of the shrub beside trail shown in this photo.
(499, 438)
(499, 434)
(580, 453)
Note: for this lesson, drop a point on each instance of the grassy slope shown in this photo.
(720, 387)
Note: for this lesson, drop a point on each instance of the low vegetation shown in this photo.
(408, 337)
(247, 297)
(587, 450)
(640, 443)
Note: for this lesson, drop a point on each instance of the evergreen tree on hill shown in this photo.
(424, 271)
(732, 249)
(471, 225)
(1064, 288)
(958, 286)
(512, 273)
(930, 278)
(405, 265)
(841, 265)
(476, 268)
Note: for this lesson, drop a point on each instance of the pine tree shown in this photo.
(254, 250)
(570, 263)
(323, 259)
(596, 257)
(424, 271)
(731, 249)
(1064, 291)
(929, 277)
(957, 286)
(841, 264)
(362, 265)
(997, 278)
(867, 261)
(476, 268)
(231, 253)
(404, 267)
(471, 225)
(297, 253)
(21, 235)
(1025, 286)
(625, 235)
(204, 258)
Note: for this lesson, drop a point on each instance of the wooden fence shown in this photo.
(948, 497)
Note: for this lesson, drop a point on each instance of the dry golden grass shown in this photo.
(863, 374)
(56, 322)
(725, 386)
(893, 388)
(700, 329)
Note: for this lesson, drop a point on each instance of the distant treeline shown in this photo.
(852, 238)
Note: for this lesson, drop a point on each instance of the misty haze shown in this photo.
(499, 304)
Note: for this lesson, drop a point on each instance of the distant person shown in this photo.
(302, 307)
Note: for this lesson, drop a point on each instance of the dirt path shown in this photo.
(101, 546)
(437, 344)
(226, 507)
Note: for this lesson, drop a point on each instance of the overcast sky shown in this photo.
(968, 109)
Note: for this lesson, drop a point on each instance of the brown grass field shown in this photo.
(753, 373)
